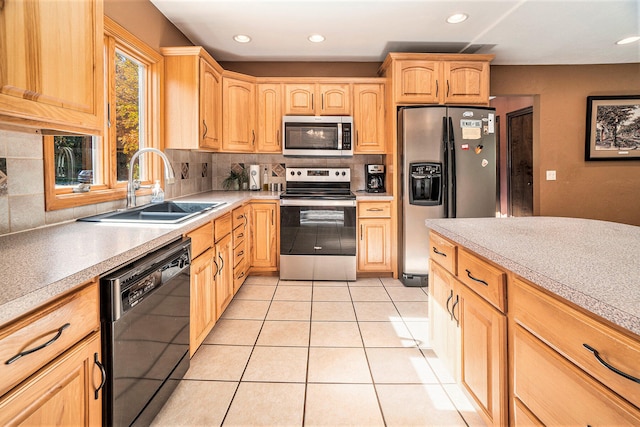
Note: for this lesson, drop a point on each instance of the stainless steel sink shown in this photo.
(156, 213)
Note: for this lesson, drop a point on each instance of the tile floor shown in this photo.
(298, 353)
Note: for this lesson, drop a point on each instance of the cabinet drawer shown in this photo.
(567, 330)
(201, 239)
(558, 393)
(70, 319)
(443, 252)
(374, 210)
(239, 235)
(240, 271)
(222, 226)
(239, 253)
(239, 217)
(483, 278)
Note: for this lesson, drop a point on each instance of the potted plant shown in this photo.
(232, 181)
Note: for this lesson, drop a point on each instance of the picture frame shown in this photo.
(613, 128)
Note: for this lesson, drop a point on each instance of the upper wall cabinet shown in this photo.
(368, 115)
(193, 99)
(269, 118)
(438, 79)
(320, 99)
(238, 115)
(51, 64)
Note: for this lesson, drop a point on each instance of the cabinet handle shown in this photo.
(40, 347)
(357, 138)
(322, 102)
(453, 310)
(108, 104)
(475, 279)
(221, 264)
(204, 125)
(447, 87)
(374, 210)
(253, 137)
(608, 366)
(437, 252)
(240, 253)
(217, 267)
(437, 88)
(240, 235)
(103, 374)
(449, 299)
(312, 102)
(361, 232)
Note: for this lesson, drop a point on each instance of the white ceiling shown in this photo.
(516, 31)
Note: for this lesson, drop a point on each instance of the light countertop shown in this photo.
(593, 264)
(41, 264)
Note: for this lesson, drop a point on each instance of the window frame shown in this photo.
(115, 37)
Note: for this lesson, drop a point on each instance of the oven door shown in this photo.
(317, 239)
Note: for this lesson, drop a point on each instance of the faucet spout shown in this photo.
(168, 173)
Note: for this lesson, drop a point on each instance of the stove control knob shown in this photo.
(344, 174)
(292, 173)
(299, 173)
(337, 173)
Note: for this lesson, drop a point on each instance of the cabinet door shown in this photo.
(417, 82)
(224, 277)
(203, 299)
(299, 99)
(368, 115)
(335, 99)
(484, 355)
(264, 236)
(62, 393)
(51, 63)
(238, 99)
(444, 319)
(374, 244)
(466, 82)
(210, 106)
(269, 118)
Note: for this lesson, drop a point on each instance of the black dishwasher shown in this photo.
(145, 333)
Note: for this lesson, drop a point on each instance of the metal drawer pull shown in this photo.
(40, 347)
(449, 299)
(437, 252)
(475, 279)
(374, 209)
(453, 309)
(608, 366)
(102, 372)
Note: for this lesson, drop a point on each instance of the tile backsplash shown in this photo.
(22, 178)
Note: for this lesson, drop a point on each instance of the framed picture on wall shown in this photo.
(613, 128)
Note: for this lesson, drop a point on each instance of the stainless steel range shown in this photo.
(318, 225)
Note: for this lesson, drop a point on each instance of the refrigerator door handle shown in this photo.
(452, 147)
(445, 168)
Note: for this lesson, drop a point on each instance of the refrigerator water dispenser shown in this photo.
(425, 184)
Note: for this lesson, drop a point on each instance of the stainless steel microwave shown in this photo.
(319, 136)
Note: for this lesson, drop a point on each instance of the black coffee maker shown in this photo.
(374, 178)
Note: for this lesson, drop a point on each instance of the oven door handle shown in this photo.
(317, 202)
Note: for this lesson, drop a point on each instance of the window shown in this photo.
(84, 169)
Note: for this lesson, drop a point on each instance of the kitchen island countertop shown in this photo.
(593, 264)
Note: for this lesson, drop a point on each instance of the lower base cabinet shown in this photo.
(203, 302)
(374, 237)
(224, 276)
(265, 218)
(61, 393)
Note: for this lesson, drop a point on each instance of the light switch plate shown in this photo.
(551, 175)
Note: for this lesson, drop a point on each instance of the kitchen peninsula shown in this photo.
(543, 317)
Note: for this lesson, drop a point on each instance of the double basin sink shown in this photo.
(156, 213)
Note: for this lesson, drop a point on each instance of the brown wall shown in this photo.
(304, 69)
(143, 20)
(608, 190)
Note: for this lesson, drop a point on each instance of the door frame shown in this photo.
(509, 116)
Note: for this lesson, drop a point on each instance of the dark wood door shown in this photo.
(520, 156)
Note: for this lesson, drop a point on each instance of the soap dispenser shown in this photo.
(157, 195)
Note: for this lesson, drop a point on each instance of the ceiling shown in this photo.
(518, 32)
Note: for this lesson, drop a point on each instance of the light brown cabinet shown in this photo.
(224, 261)
(467, 330)
(439, 79)
(60, 381)
(321, 99)
(192, 99)
(269, 118)
(558, 379)
(374, 238)
(238, 115)
(240, 246)
(265, 217)
(368, 117)
(38, 87)
(203, 290)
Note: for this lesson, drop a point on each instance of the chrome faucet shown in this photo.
(169, 176)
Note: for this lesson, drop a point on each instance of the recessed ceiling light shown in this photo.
(457, 18)
(316, 38)
(628, 40)
(242, 38)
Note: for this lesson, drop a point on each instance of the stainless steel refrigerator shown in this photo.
(449, 170)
